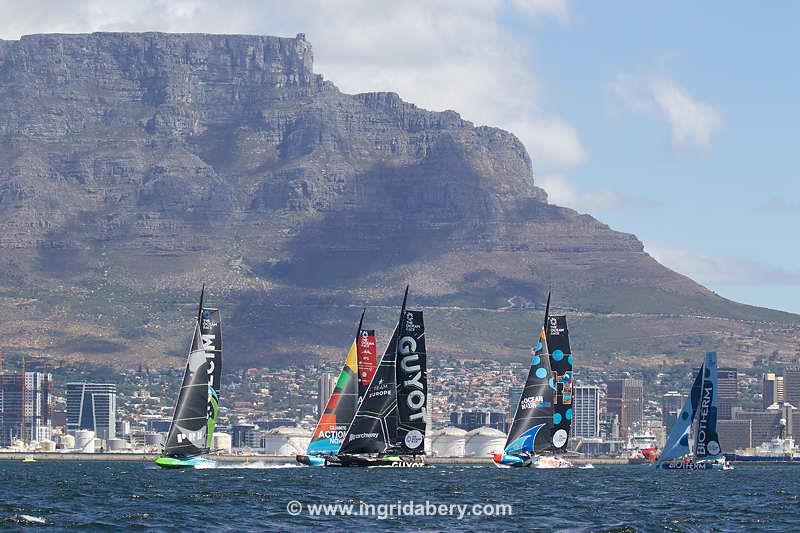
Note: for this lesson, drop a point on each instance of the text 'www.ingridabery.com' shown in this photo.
(399, 508)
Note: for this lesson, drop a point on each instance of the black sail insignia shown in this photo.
(561, 366)
(411, 376)
(197, 407)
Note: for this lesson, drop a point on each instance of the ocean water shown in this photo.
(52, 495)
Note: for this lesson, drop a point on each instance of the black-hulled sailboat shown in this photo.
(696, 424)
(540, 429)
(389, 426)
(359, 367)
(195, 415)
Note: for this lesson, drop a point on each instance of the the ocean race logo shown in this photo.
(414, 439)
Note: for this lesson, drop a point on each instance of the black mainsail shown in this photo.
(197, 407)
(411, 377)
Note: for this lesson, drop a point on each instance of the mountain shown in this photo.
(136, 166)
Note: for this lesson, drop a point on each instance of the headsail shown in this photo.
(374, 428)
(707, 441)
(375, 423)
(196, 410)
(341, 406)
(531, 428)
(411, 376)
(678, 441)
(561, 365)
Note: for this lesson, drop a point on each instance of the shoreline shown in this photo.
(271, 459)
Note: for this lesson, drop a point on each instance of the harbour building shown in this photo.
(25, 407)
(728, 396)
(514, 394)
(772, 390)
(791, 385)
(325, 385)
(671, 403)
(586, 412)
(92, 406)
(625, 400)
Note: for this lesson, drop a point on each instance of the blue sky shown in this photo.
(674, 121)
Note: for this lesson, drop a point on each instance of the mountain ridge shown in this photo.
(136, 166)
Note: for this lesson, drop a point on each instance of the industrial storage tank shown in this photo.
(448, 442)
(153, 439)
(47, 446)
(66, 442)
(483, 441)
(84, 441)
(285, 441)
(116, 445)
(221, 441)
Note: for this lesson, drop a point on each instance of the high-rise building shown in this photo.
(585, 411)
(671, 403)
(514, 394)
(772, 387)
(92, 406)
(766, 425)
(734, 434)
(625, 399)
(728, 393)
(24, 406)
(325, 385)
(791, 385)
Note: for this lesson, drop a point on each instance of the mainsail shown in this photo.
(411, 377)
(196, 410)
(374, 428)
(561, 365)
(707, 442)
(341, 406)
(531, 429)
(678, 440)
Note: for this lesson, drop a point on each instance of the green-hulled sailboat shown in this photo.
(195, 415)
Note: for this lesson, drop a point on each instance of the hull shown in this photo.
(549, 461)
(392, 461)
(511, 460)
(763, 458)
(693, 466)
(166, 461)
(310, 460)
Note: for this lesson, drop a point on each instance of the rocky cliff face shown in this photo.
(134, 167)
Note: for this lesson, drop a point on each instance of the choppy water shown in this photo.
(111, 496)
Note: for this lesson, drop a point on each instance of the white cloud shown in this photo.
(441, 55)
(691, 122)
(561, 192)
(710, 270)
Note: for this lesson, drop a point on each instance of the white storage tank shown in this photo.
(483, 441)
(117, 445)
(84, 441)
(448, 442)
(221, 441)
(47, 446)
(285, 441)
(67, 442)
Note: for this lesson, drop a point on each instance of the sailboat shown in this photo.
(389, 426)
(542, 419)
(195, 415)
(696, 425)
(359, 367)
